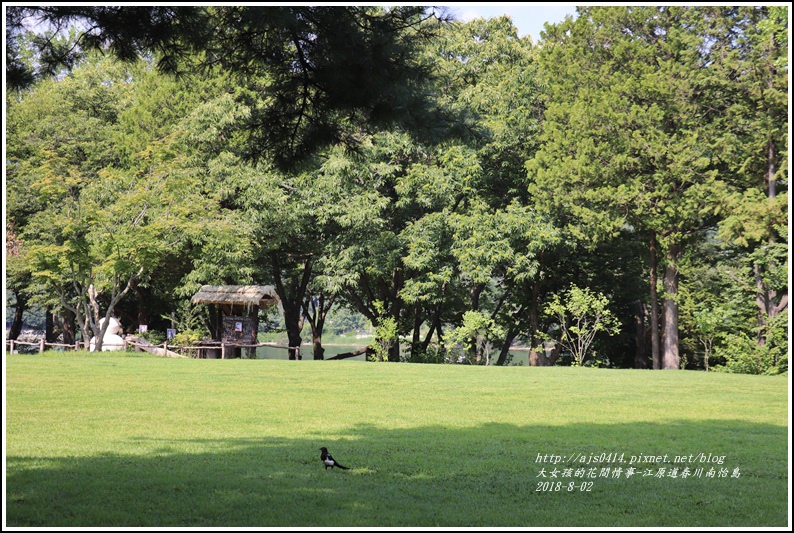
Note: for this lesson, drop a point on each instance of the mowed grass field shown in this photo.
(119, 441)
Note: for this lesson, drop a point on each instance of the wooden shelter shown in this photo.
(236, 316)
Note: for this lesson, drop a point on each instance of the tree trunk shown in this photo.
(293, 335)
(394, 347)
(67, 325)
(254, 314)
(315, 310)
(655, 352)
(142, 316)
(394, 352)
(292, 296)
(765, 297)
(367, 292)
(537, 358)
(771, 181)
(671, 357)
(505, 350)
(435, 323)
(641, 354)
(317, 347)
(474, 304)
(366, 350)
(116, 296)
(425, 344)
(81, 315)
(762, 300)
(19, 311)
(416, 337)
(49, 326)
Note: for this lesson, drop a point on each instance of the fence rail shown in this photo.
(195, 351)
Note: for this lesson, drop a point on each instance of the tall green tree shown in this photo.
(103, 196)
(58, 139)
(756, 153)
(367, 257)
(631, 135)
(496, 239)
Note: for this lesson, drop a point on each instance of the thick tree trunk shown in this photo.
(293, 335)
(671, 356)
(317, 347)
(68, 326)
(538, 358)
(474, 296)
(19, 311)
(315, 310)
(49, 326)
(292, 294)
(655, 352)
(766, 299)
(394, 352)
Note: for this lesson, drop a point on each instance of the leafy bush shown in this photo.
(385, 336)
(153, 336)
(596, 360)
(434, 354)
(743, 355)
(187, 338)
(476, 334)
(581, 315)
(189, 318)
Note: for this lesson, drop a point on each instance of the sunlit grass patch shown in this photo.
(120, 441)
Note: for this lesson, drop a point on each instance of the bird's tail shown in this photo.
(342, 467)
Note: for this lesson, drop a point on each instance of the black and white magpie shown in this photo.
(328, 460)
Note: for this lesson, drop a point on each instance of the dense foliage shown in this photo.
(461, 188)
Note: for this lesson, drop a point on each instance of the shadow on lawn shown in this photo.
(428, 476)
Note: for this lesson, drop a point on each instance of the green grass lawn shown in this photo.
(141, 441)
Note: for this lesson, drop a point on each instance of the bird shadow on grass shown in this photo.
(485, 475)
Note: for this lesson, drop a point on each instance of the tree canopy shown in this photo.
(318, 74)
(461, 188)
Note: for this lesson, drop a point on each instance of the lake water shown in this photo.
(520, 356)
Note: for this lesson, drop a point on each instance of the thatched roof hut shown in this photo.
(246, 295)
(236, 321)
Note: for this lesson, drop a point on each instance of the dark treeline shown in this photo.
(613, 195)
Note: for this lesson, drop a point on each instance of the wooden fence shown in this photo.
(177, 351)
